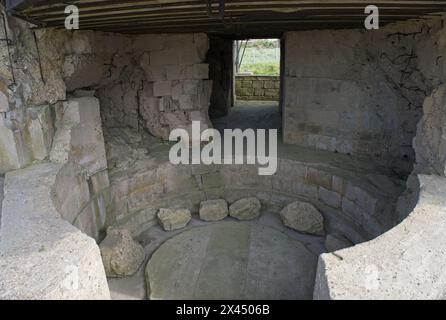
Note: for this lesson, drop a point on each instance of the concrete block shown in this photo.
(330, 198)
(73, 192)
(149, 42)
(188, 102)
(338, 185)
(190, 55)
(14, 153)
(319, 178)
(66, 263)
(4, 98)
(201, 42)
(162, 88)
(165, 57)
(39, 131)
(177, 89)
(201, 71)
(79, 136)
(191, 86)
(99, 182)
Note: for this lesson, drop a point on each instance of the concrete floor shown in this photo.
(259, 259)
(251, 115)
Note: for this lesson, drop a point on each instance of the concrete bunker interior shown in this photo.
(89, 193)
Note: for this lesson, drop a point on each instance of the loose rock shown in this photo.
(121, 255)
(214, 210)
(245, 209)
(173, 219)
(303, 217)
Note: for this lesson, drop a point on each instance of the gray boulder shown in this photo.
(174, 218)
(303, 217)
(214, 210)
(121, 255)
(245, 209)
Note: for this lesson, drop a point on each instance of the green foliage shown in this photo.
(266, 68)
(263, 44)
(261, 57)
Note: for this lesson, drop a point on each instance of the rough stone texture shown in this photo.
(430, 141)
(173, 219)
(213, 210)
(142, 181)
(12, 153)
(79, 137)
(172, 89)
(406, 262)
(336, 241)
(40, 131)
(25, 136)
(245, 209)
(2, 182)
(231, 260)
(361, 92)
(40, 70)
(42, 255)
(121, 255)
(303, 217)
(257, 88)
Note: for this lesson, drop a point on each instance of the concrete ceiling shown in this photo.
(240, 18)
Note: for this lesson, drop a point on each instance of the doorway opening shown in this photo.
(247, 82)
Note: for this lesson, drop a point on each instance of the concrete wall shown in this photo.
(221, 72)
(265, 88)
(163, 84)
(43, 256)
(359, 204)
(54, 210)
(405, 262)
(359, 92)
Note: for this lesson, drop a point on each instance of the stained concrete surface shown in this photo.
(231, 260)
(2, 183)
(251, 115)
(273, 254)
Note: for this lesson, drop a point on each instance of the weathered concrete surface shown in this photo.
(336, 241)
(213, 210)
(430, 141)
(2, 182)
(143, 181)
(352, 94)
(303, 217)
(43, 256)
(231, 260)
(134, 287)
(121, 255)
(40, 131)
(79, 136)
(406, 262)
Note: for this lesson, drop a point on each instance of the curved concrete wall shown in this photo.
(356, 202)
(406, 262)
(43, 256)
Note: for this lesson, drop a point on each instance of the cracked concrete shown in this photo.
(304, 246)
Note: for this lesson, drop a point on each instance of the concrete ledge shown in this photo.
(43, 256)
(407, 262)
(356, 201)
